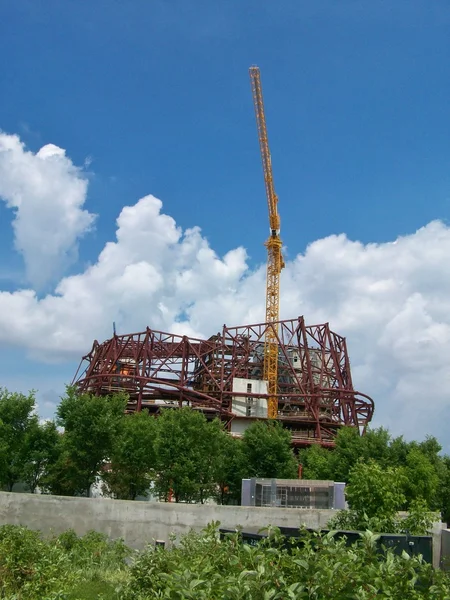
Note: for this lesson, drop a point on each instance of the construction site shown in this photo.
(286, 370)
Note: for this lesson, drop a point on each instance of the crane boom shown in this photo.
(274, 245)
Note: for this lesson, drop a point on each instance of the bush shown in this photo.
(375, 496)
(28, 565)
(66, 567)
(92, 550)
(203, 567)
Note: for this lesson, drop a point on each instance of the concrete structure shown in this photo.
(254, 405)
(445, 549)
(139, 523)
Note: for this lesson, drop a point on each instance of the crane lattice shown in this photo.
(274, 245)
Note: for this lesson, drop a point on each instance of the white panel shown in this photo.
(249, 406)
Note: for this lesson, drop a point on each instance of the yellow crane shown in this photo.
(275, 262)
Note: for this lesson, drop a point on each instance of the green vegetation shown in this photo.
(182, 455)
(375, 496)
(21, 439)
(65, 567)
(406, 474)
(91, 429)
(202, 566)
(132, 458)
(179, 454)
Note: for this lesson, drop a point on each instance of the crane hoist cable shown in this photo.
(275, 262)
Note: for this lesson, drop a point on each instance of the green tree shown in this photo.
(91, 426)
(267, 451)
(317, 462)
(42, 452)
(376, 446)
(187, 450)
(421, 478)
(349, 449)
(231, 471)
(212, 448)
(374, 490)
(431, 448)
(132, 458)
(398, 451)
(375, 495)
(17, 416)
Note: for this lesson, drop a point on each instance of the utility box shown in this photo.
(292, 493)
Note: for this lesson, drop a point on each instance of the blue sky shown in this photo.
(154, 98)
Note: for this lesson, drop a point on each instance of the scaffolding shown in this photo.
(223, 377)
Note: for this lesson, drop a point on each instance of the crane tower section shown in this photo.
(274, 245)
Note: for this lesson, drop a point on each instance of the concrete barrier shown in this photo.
(140, 523)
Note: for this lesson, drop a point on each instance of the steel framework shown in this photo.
(156, 369)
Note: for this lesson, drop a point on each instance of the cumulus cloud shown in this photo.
(391, 301)
(47, 192)
(152, 274)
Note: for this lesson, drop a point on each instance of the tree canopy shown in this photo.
(267, 450)
(17, 419)
(424, 472)
(183, 456)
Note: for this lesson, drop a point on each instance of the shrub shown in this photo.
(93, 550)
(28, 565)
(205, 568)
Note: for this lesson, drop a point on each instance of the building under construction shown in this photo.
(286, 370)
(224, 377)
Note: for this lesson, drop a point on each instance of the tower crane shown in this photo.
(275, 262)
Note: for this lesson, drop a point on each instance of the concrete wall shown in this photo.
(139, 523)
(445, 549)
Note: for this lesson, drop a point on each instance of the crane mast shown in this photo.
(274, 245)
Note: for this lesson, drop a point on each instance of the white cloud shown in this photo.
(149, 275)
(391, 300)
(47, 193)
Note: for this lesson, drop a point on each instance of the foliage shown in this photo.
(91, 427)
(42, 451)
(316, 462)
(212, 447)
(231, 471)
(28, 565)
(419, 520)
(132, 458)
(374, 490)
(187, 448)
(421, 477)
(375, 496)
(183, 455)
(62, 568)
(426, 474)
(92, 549)
(204, 567)
(267, 451)
(17, 416)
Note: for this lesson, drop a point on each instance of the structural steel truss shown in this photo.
(315, 392)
